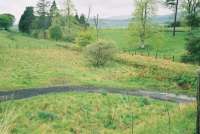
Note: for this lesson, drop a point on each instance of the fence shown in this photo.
(198, 104)
(153, 54)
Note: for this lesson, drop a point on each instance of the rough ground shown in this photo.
(27, 93)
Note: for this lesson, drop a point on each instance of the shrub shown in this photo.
(101, 52)
(55, 32)
(184, 81)
(193, 49)
(84, 38)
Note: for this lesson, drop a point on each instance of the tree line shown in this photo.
(47, 17)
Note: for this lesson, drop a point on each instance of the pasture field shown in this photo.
(95, 114)
(42, 63)
(169, 46)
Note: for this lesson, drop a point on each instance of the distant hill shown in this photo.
(123, 21)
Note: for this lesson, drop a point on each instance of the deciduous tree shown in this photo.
(192, 10)
(6, 21)
(141, 26)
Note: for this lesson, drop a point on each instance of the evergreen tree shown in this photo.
(25, 23)
(53, 12)
(77, 18)
(53, 9)
(82, 20)
(42, 11)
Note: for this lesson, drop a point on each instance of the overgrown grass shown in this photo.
(36, 66)
(99, 113)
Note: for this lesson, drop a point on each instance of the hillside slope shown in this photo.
(27, 62)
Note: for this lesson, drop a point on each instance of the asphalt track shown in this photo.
(27, 93)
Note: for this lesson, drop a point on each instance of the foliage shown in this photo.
(69, 37)
(141, 27)
(173, 4)
(101, 52)
(42, 11)
(56, 32)
(191, 9)
(185, 81)
(54, 12)
(6, 21)
(82, 20)
(193, 48)
(69, 10)
(84, 38)
(26, 21)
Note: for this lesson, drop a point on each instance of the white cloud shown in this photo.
(105, 8)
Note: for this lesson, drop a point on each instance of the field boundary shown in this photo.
(27, 93)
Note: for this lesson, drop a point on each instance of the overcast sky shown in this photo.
(106, 8)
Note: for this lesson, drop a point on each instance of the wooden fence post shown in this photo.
(156, 55)
(198, 103)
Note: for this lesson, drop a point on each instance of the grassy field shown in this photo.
(169, 46)
(41, 63)
(95, 114)
(30, 63)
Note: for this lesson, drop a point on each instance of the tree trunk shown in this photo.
(175, 18)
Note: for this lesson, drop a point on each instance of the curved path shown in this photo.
(27, 93)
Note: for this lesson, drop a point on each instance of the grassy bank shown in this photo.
(95, 113)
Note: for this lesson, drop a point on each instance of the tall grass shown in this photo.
(8, 115)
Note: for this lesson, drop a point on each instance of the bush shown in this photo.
(184, 81)
(55, 32)
(193, 49)
(84, 38)
(101, 52)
